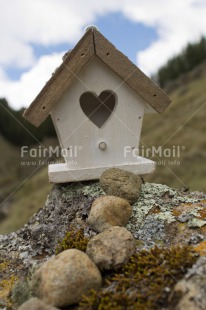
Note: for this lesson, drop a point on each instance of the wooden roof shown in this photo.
(93, 43)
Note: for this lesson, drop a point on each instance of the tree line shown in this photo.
(14, 128)
(191, 56)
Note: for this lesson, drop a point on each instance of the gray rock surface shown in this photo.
(190, 293)
(108, 211)
(112, 248)
(21, 292)
(62, 280)
(37, 240)
(35, 304)
(156, 220)
(121, 183)
(155, 216)
(70, 204)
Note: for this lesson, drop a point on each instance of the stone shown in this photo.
(108, 211)
(63, 279)
(112, 248)
(154, 221)
(189, 293)
(35, 304)
(189, 296)
(121, 183)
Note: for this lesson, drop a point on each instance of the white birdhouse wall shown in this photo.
(93, 134)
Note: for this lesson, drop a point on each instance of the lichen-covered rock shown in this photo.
(112, 248)
(37, 240)
(195, 223)
(21, 292)
(108, 211)
(190, 293)
(35, 304)
(155, 219)
(63, 279)
(156, 215)
(121, 183)
(160, 217)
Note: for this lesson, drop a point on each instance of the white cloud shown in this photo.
(47, 22)
(23, 92)
(177, 23)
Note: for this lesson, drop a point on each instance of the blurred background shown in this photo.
(165, 39)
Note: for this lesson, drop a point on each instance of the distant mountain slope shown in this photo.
(12, 171)
(27, 200)
(182, 124)
(9, 169)
(23, 188)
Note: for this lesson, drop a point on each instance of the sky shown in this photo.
(34, 35)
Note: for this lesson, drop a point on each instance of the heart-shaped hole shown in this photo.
(98, 109)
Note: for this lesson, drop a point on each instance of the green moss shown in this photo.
(144, 283)
(6, 284)
(74, 239)
(3, 265)
(5, 291)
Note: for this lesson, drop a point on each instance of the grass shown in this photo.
(9, 170)
(183, 124)
(26, 201)
(25, 190)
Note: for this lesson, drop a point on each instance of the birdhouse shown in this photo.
(97, 99)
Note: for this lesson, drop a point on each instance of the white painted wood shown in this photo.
(76, 132)
(60, 173)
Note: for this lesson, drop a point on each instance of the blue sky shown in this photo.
(128, 36)
(148, 32)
